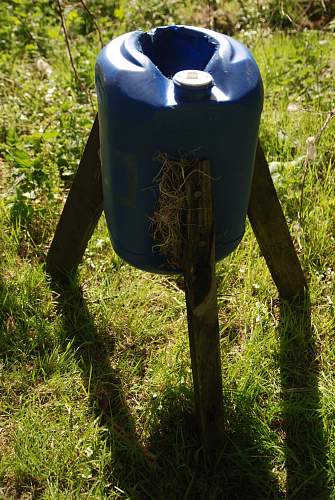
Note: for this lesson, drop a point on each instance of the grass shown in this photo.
(95, 379)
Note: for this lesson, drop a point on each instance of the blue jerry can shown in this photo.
(175, 90)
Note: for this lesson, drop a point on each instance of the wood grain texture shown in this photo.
(81, 212)
(272, 233)
(201, 302)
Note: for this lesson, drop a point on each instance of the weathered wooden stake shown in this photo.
(269, 225)
(201, 302)
(81, 212)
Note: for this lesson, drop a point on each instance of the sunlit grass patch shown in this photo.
(95, 379)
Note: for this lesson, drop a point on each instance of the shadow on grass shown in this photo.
(305, 449)
(172, 466)
(241, 471)
(130, 470)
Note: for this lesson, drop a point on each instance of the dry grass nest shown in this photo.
(167, 220)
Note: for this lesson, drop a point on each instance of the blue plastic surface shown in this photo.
(140, 116)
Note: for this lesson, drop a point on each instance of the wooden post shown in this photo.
(81, 212)
(273, 236)
(201, 302)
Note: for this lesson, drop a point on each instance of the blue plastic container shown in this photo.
(146, 109)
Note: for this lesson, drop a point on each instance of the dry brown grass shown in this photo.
(168, 221)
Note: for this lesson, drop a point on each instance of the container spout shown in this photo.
(192, 85)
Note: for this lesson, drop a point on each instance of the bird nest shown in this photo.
(168, 219)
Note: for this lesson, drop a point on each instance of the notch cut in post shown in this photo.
(201, 303)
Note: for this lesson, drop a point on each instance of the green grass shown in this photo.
(95, 379)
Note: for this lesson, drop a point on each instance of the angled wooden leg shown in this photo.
(81, 212)
(272, 233)
(201, 302)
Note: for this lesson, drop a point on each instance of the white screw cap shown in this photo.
(193, 78)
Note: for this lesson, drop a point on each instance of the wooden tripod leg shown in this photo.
(201, 302)
(81, 212)
(272, 233)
